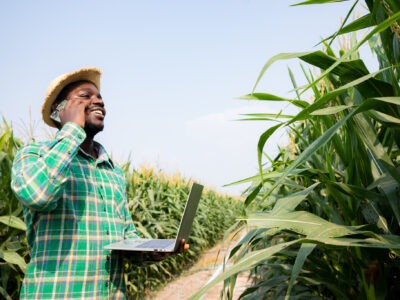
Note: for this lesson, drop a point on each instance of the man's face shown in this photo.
(94, 111)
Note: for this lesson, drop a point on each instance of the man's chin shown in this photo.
(92, 129)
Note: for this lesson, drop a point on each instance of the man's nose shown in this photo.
(97, 100)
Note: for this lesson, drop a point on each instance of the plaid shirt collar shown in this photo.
(103, 156)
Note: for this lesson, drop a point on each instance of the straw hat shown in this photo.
(55, 87)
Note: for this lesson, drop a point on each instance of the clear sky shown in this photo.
(172, 73)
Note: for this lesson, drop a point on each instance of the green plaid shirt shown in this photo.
(74, 205)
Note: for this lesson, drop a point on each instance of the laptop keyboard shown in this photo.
(157, 244)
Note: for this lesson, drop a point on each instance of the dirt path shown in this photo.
(197, 276)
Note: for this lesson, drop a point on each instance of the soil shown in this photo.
(197, 276)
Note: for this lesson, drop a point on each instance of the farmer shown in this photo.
(74, 199)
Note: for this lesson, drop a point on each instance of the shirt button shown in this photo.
(105, 208)
(106, 283)
(108, 257)
(108, 232)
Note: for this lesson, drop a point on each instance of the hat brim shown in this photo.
(55, 87)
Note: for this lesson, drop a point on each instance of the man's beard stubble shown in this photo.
(92, 130)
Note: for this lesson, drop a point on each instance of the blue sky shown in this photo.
(172, 73)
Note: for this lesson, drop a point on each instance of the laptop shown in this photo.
(165, 245)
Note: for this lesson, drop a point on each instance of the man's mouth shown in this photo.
(98, 112)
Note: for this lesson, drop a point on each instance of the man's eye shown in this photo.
(84, 96)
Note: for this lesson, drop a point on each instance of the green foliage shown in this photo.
(328, 219)
(13, 247)
(157, 203)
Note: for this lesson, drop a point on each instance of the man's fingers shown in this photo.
(74, 111)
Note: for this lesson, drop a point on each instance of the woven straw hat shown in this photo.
(55, 87)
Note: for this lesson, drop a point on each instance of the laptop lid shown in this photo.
(188, 214)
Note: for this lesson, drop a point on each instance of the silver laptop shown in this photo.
(166, 245)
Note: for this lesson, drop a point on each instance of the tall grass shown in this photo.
(329, 219)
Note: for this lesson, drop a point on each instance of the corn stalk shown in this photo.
(328, 218)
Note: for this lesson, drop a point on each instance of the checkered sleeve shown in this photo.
(40, 170)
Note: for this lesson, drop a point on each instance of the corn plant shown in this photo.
(328, 222)
(13, 247)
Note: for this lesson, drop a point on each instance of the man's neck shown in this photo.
(89, 147)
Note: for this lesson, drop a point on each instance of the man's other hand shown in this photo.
(146, 258)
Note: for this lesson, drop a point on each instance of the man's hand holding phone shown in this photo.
(70, 111)
(74, 111)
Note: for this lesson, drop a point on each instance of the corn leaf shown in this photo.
(13, 221)
(244, 264)
(330, 110)
(301, 222)
(13, 257)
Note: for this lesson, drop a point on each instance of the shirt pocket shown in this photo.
(118, 202)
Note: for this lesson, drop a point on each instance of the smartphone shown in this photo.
(55, 115)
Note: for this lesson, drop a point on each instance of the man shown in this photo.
(74, 198)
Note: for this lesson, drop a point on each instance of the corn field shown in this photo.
(156, 201)
(328, 205)
(13, 246)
